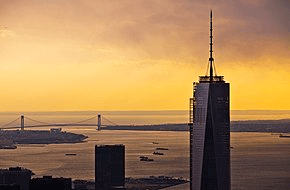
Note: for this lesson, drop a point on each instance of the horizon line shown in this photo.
(135, 110)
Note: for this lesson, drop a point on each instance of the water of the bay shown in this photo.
(259, 160)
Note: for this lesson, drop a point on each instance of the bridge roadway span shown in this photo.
(50, 125)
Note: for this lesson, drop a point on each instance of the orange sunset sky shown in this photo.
(58, 55)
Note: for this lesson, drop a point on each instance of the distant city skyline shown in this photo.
(140, 55)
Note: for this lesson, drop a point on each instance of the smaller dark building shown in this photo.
(49, 183)
(15, 177)
(9, 187)
(83, 185)
(109, 167)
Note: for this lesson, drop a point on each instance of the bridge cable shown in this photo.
(36, 121)
(10, 122)
(109, 121)
(85, 120)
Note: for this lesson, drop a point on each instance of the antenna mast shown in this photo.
(210, 51)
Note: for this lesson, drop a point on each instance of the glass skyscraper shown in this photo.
(210, 132)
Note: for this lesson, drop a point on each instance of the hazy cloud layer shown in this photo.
(4, 32)
(82, 54)
(160, 29)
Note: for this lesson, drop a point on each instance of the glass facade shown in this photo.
(210, 154)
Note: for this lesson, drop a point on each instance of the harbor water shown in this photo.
(259, 160)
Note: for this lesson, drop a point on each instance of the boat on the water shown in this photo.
(284, 136)
(160, 148)
(70, 154)
(145, 158)
(158, 153)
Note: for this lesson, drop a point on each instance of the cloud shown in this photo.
(4, 32)
(164, 29)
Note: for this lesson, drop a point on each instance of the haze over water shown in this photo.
(259, 160)
(136, 117)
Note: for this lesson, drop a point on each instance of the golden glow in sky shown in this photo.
(140, 55)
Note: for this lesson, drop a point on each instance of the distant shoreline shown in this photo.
(274, 126)
(9, 139)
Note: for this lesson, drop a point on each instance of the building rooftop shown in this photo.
(16, 169)
(205, 79)
(108, 145)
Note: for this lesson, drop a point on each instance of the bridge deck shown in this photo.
(51, 125)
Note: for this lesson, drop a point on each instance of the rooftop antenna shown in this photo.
(210, 51)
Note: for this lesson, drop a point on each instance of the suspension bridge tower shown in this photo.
(22, 122)
(99, 122)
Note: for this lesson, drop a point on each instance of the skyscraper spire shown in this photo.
(209, 129)
(210, 51)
